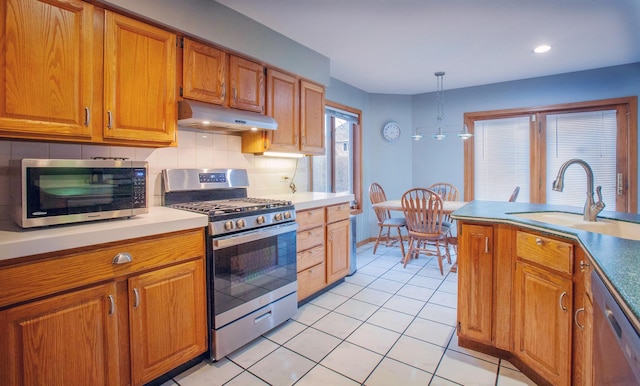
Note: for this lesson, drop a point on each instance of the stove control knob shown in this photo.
(278, 217)
(228, 225)
(260, 220)
(287, 215)
(240, 224)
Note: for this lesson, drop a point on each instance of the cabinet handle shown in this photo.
(136, 298)
(539, 241)
(575, 318)
(224, 90)
(112, 305)
(583, 265)
(486, 244)
(235, 94)
(109, 119)
(122, 258)
(562, 296)
(87, 116)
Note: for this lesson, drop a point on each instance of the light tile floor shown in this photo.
(384, 325)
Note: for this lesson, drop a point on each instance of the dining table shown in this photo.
(448, 207)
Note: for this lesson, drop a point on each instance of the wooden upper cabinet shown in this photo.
(311, 118)
(47, 75)
(139, 81)
(283, 104)
(203, 72)
(246, 84)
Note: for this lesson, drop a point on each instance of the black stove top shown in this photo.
(221, 194)
(236, 205)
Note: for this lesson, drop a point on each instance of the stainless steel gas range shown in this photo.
(251, 258)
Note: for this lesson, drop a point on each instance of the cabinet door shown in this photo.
(582, 322)
(475, 282)
(203, 72)
(542, 318)
(283, 104)
(168, 319)
(68, 339)
(140, 82)
(246, 82)
(311, 118)
(47, 75)
(338, 236)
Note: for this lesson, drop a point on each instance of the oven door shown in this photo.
(252, 269)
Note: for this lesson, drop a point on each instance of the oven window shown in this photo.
(247, 271)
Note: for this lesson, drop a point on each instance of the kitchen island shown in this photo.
(525, 284)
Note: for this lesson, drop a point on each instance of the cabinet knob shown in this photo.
(583, 265)
(122, 258)
(539, 241)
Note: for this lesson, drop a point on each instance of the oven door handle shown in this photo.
(254, 235)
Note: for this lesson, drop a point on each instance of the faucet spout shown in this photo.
(591, 208)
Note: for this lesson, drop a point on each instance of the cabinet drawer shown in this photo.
(309, 238)
(547, 252)
(338, 212)
(310, 257)
(311, 218)
(75, 268)
(310, 281)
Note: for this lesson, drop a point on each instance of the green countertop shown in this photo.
(617, 260)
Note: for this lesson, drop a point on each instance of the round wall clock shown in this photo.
(391, 131)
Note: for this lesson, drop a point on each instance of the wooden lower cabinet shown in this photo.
(526, 297)
(323, 246)
(69, 339)
(166, 303)
(542, 322)
(338, 244)
(135, 322)
(475, 281)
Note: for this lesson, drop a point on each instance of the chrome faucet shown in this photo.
(591, 209)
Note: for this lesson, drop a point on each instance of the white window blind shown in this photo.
(501, 148)
(590, 136)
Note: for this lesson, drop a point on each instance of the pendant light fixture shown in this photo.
(465, 134)
(440, 134)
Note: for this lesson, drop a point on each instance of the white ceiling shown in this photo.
(395, 46)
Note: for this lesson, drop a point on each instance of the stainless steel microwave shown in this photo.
(56, 191)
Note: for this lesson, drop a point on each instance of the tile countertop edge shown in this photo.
(308, 200)
(16, 242)
(616, 259)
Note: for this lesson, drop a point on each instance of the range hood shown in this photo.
(212, 117)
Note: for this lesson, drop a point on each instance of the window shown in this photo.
(339, 169)
(526, 147)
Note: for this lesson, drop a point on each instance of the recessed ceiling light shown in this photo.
(542, 49)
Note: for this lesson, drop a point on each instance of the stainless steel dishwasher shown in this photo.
(616, 344)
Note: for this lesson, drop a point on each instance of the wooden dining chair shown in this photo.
(428, 232)
(448, 192)
(514, 195)
(385, 222)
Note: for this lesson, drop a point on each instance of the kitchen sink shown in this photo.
(621, 229)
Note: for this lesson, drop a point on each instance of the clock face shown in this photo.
(391, 132)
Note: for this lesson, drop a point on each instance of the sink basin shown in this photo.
(621, 229)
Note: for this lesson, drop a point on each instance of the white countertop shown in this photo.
(308, 200)
(18, 242)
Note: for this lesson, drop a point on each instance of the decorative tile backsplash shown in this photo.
(196, 149)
